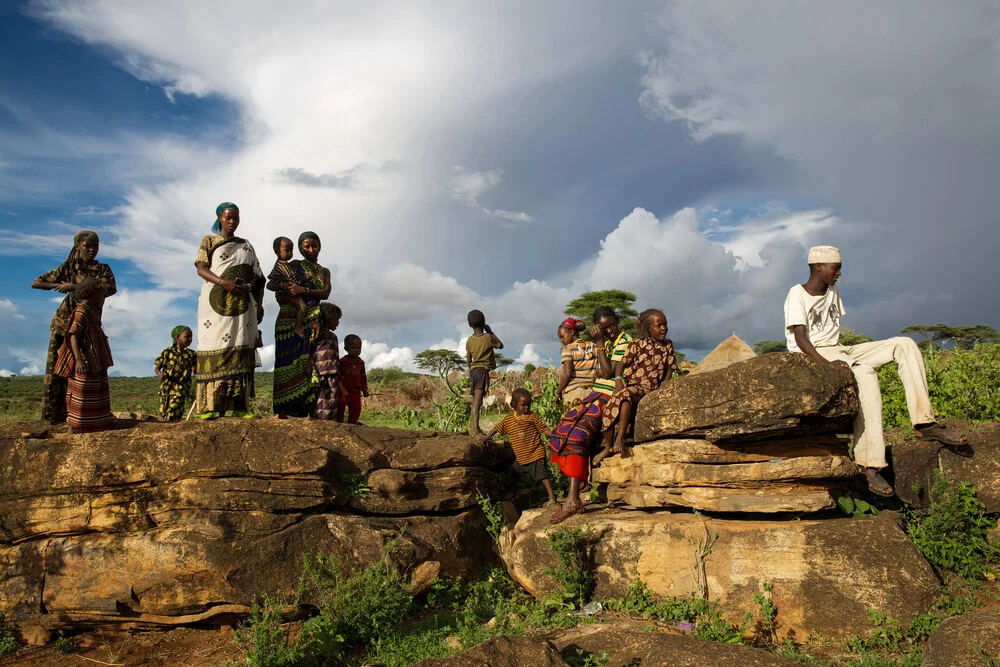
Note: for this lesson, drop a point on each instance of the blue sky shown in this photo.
(506, 157)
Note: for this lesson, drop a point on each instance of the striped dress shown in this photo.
(88, 396)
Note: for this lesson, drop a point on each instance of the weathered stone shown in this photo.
(164, 524)
(993, 536)
(770, 498)
(635, 643)
(969, 640)
(423, 577)
(826, 575)
(777, 394)
(914, 465)
(503, 652)
(616, 470)
(686, 450)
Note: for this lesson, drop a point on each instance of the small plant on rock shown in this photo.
(7, 642)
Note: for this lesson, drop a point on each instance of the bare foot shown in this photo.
(600, 456)
(619, 447)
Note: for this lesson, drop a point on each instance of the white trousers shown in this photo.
(869, 439)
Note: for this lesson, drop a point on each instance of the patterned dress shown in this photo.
(294, 391)
(648, 363)
(72, 271)
(175, 366)
(88, 396)
(326, 367)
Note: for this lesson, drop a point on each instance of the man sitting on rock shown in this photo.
(812, 326)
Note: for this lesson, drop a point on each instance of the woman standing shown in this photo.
(229, 312)
(293, 368)
(81, 263)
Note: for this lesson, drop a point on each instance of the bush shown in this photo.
(386, 376)
(574, 549)
(7, 642)
(265, 643)
(964, 384)
(952, 533)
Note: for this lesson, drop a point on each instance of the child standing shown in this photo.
(648, 362)
(326, 363)
(579, 364)
(353, 380)
(284, 275)
(174, 367)
(526, 432)
(480, 360)
(84, 360)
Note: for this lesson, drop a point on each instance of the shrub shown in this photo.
(386, 376)
(7, 642)
(265, 643)
(574, 549)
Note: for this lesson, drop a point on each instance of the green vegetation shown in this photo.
(65, 645)
(964, 337)
(768, 346)
(951, 534)
(8, 644)
(574, 549)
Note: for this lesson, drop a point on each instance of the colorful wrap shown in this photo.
(294, 392)
(576, 435)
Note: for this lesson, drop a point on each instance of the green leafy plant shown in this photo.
(574, 549)
(355, 486)
(65, 645)
(582, 658)
(952, 533)
(263, 640)
(8, 644)
(856, 507)
(493, 513)
(768, 612)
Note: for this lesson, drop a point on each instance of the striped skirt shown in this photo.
(578, 433)
(88, 402)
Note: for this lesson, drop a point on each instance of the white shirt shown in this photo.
(819, 314)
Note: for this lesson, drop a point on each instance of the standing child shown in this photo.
(326, 363)
(283, 276)
(480, 360)
(174, 367)
(84, 360)
(648, 362)
(526, 432)
(353, 380)
(579, 366)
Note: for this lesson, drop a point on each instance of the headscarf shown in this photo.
(217, 227)
(573, 324)
(177, 331)
(308, 235)
(78, 238)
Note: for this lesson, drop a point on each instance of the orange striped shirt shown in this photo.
(525, 435)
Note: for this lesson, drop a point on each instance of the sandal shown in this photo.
(565, 512)
(878, 486)
(940, 433)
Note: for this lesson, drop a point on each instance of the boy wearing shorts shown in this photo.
(526, 432)
(480, 360)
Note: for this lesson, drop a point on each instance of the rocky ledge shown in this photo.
(155, 525)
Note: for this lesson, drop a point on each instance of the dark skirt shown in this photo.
(294, 393)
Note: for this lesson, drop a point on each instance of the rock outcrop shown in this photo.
(752, 436)
(160, 524)
(914, 465)
(969, 640)
(826, 574)
(774, 395)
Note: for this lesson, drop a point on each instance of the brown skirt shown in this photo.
(88, 402)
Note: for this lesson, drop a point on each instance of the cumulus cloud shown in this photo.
(381, 355)
(9, 310)
(4, 373)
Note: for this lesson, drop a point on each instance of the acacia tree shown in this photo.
(441, 363)
(768, 346)
(964, 337)
(621, 301)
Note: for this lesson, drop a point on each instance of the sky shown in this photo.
(505, 156)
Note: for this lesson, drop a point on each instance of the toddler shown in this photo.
(84, 359)
(480, 360)
(353, 380)
(526, 432)
(174, 367)
(285, 274)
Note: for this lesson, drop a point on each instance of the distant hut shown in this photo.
(730, 351)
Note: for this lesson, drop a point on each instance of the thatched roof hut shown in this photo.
(729, 352)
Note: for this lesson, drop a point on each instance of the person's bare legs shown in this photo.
(548, 488)
(477, 403)
(624, 421)
(573, 494)
(608, 443)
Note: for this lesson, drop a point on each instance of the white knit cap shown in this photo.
(824, 254)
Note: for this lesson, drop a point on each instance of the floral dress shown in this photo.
(648, 363)
(175, 366)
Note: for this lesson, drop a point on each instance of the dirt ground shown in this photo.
(181, 646)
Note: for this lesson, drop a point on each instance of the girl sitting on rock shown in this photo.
(648, 362)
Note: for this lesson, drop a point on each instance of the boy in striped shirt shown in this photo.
(526, 432)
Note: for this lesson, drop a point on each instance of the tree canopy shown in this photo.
(621, 301)
(441, 362)
(851, 337)
(964, 337)
(766, 346)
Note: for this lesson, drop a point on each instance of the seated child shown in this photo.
(283, 276)
(526, 432)
(480, 361)
(84, 359)
(326, 363)
(353, 380)
(648, 362)
(174, 367)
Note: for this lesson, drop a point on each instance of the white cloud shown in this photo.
(9, 310)
(4, 373)
(468, 186)
(380, 355)
(528, 356)
(266, 358)
(31, 369)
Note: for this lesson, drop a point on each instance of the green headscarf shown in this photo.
(177, 331)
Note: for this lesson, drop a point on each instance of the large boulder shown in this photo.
(969, 640)
(826, 574)
(167, 524)
(915, 464)
(774, 395)
(503, 652)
